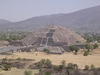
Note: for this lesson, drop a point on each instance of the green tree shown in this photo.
(28, 73)
(88, 47)
(86, 53)
(76, 49)
(95, 46)
(72, 47)
(46, 50)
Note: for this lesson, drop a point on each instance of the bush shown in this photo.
(47, 73)
(72, 47)
(92, 66)
(48, 63)
(63, 63)
(18, 59)
(76, 49)
(75, 66)
(58, 67)
(70, 65)
(68, 71)
(46, 50)
(4, 59)
(39, 64)
(86, 53)
(7, 67)
(10, 59)
(28, 73)
(88, 47)
(86, 67)
(42, 61)
(95, 46)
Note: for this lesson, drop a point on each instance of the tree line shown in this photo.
(12, 35)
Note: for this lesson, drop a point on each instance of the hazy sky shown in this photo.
(16, 10)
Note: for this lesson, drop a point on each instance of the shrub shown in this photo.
(58, 67)
(46, 50)
(48, 63)
(70, 65)
(88, 47)
(72, 47)
(86, 67)
(7, 67)
(42, 61)
(95, 46)
(39, 64)
(28, 73)
(86, 53)
(68, 71)
(10, 60)
(92, 66)
(47, 73)
(18, 59)
(63, 63)
(75, 66)
(76, 49)
(4, 59)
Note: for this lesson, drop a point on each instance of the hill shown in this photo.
(3, 21)
(83, 20)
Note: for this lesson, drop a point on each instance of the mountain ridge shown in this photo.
(82, 20)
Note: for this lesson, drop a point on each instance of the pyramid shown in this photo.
(53, 36)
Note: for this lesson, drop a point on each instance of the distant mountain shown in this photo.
(2, 21)
(83, 20)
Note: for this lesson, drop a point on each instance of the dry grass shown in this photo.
(56, 59)
(15, 71)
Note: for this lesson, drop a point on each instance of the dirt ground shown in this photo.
(56, 59)
(93, 58)
(15, 71)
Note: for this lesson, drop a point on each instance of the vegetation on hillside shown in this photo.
(91, 37)
(12, 36)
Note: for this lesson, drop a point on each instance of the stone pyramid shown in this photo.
(53, 36)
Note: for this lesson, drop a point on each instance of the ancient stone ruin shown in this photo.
(57, 38)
